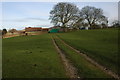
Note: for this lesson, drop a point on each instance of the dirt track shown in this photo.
(92, 61)
(71, 71)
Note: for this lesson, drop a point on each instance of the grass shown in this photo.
(36, 56)
(31, 57)
(85, 69)
(101, 45)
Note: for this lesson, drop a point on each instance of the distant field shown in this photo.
(101, 45)
(31, 57)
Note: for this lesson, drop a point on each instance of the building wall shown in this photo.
(33, 29)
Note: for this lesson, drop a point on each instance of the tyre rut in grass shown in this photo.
(104, 69)
(70, 69)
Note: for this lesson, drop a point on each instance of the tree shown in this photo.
(93, 16)
(12, 30)
(116, 23)
(0, 32)
(4, 31)
(77, 22)
(63, 14)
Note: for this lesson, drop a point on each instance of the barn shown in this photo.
(54, 31)
(30, 29)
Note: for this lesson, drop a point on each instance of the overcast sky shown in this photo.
(19, 15)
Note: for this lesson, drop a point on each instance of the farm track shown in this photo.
(92, 61)
(71, 71)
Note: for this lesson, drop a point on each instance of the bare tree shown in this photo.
(0, 32)
(77, 23)
(116, 23)
(63, 14)
(12, 30)
(4, 31)
(93, 16)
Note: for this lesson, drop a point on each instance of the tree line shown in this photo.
(5, 31)
(66, 14)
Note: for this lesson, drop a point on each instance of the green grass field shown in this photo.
(36, 56)
(31, 57)
(101, 45)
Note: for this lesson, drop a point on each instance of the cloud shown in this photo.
(25, 20)
(39, 19)
(59, 0)
(44, 25)
(14, 20)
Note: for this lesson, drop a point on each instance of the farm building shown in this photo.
(30, 29)
(45, 29)
(54, 31)
(57, 29)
